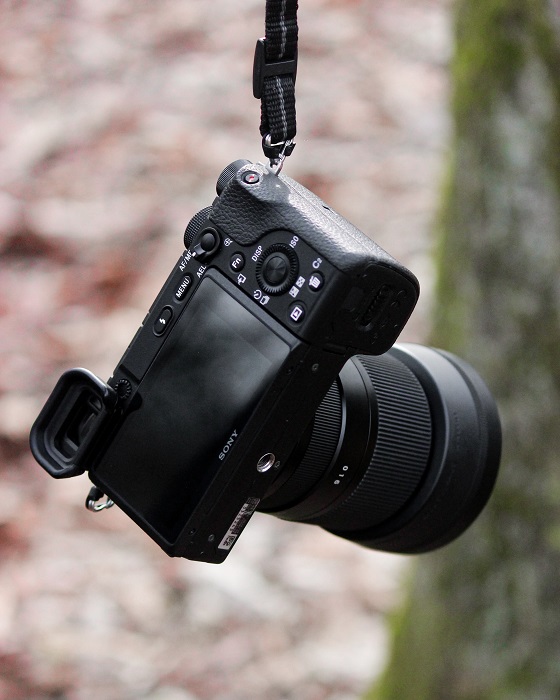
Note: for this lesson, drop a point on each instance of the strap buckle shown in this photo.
(263, 70)
(95, 502)
(277, 152)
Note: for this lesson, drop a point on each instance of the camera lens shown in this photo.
(402, 454)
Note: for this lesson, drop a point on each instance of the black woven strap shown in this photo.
(274, 77)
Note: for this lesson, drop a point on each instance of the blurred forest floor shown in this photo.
(116, 118)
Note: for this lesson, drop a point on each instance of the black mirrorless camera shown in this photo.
(264, 377)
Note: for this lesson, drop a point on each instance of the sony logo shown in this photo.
(227, 447)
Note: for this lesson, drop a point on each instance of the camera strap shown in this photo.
(274, 78)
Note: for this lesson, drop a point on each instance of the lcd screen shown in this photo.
(195, 398)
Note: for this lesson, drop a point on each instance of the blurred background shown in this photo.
(116, 117)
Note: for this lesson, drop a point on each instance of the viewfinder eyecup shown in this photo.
(70, 421)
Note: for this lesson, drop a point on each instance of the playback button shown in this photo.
(296, 312)
(163, 319)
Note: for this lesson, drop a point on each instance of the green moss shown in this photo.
(490, 38)
(418, 677)
(480, 622)
(548, 45)
(441, 616)
(495, 40)
(450, 318)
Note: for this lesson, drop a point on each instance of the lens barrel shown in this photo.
(402, 454)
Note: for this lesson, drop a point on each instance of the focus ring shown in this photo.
(401, 452)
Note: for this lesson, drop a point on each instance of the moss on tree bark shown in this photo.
(482, 617)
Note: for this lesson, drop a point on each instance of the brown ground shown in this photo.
(115, 119)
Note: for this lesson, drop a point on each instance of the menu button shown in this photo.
(183, 288)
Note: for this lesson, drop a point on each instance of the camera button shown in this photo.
(237, 262)
(296, 312)
(163, 320)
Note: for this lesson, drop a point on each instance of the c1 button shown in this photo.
(161, 324)
(296, 313)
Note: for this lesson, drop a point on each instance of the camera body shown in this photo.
(273, 295)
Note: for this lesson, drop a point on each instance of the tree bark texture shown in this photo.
(482, 617)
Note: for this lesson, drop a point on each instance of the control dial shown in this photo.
(277, 269)
(195, 225)
(229, 173)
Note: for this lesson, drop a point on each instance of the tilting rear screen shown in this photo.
(195, 398)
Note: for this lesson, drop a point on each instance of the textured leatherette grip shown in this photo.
(246, 211)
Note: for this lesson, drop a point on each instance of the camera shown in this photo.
(265, 376)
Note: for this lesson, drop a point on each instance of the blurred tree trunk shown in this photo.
(482, 619)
